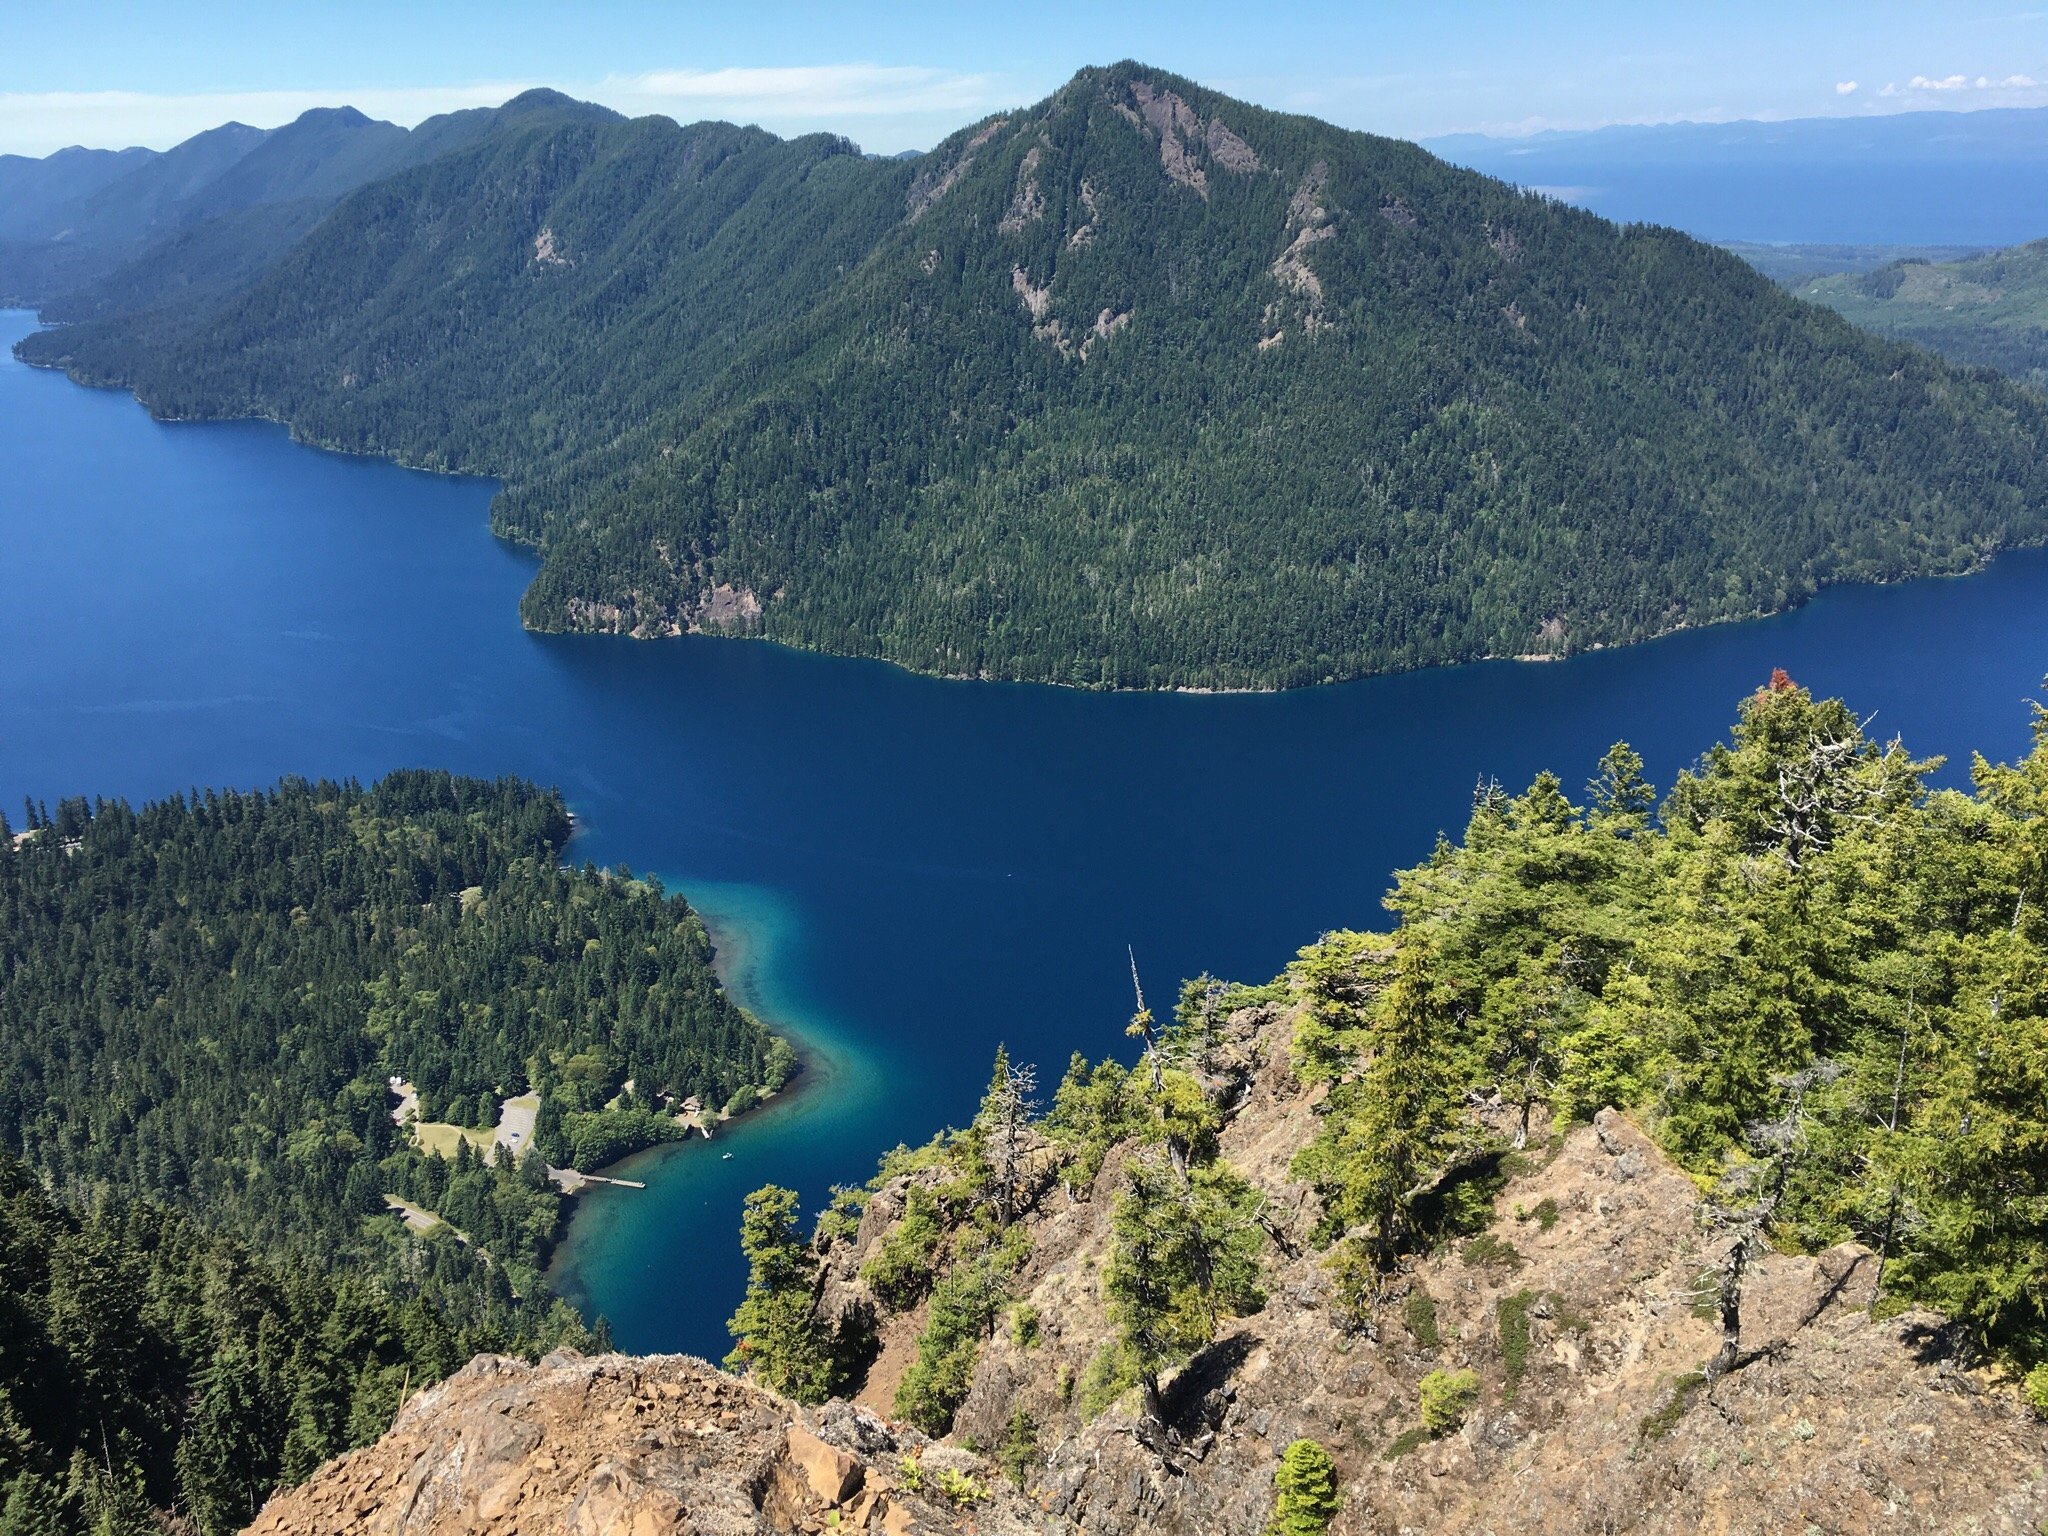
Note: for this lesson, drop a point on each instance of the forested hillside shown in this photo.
(1990, 309)
(1812, 984)
(202, 1003)
(1140, 386)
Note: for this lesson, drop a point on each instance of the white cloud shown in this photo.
(2007, 90)
(903, 106)
(1845, 87)
(808, 93)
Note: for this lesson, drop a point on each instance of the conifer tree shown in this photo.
(777, 1338)
(34, 1507)
(1392, 1132)
(1305, 1498)
(224, 1462)
(1185, 1254)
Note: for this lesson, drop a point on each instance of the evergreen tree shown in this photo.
(1391, 1133)
(34, 1507)
(1305, 1498)
(777, 1339)
(1185, 1253)
(226, 1458)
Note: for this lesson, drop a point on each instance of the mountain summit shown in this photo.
(1138, 386)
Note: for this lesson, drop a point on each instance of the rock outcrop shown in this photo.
(660, 1445)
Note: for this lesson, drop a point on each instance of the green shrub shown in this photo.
(1488, 1252)
(899, 1271)
(1024, 1325)
(1545, 1214)
(1512, 1319)
(1304, 1491)
(1356, 1280)
(840, 1220)
(1406, 1441)
(1020, 1446)
(1447, 1397)
(956, 1487)
(1111, 1373)
(2035, 1390)
(1657, 1425)
(1418, 1316)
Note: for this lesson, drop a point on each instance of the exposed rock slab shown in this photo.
(621, 1446)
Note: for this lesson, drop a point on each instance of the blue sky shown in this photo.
(896, 76)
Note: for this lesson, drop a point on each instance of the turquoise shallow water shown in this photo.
(902, 871)
(614, 1262)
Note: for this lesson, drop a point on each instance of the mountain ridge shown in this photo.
(1597, 1411)
(1299, 404)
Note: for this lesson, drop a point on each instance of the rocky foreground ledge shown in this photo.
(625, 1445)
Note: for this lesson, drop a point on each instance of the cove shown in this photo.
(900, 871)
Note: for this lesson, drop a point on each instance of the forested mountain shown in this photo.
(201, 1005)
(1140, 386)
(1990, 309)
(205, 215)
(31, 187)
(77, 221)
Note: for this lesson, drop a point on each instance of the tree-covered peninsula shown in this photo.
(1140, 386)
(229, 1248)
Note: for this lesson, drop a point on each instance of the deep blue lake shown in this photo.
(901, 871)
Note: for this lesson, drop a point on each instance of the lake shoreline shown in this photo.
(743, 949)
(499, 480)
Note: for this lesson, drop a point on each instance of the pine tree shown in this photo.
(777, 1337)
(999, 1131)
(1185, 1252)
(1621, 798)
(1393, 1132)
(34, 1507)
(225, 1469)
(1305, 1498)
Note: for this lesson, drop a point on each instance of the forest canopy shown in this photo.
(203, 1002)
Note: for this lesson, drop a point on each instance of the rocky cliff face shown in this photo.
(1580, 1312)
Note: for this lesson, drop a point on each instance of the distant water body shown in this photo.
(901, 871)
